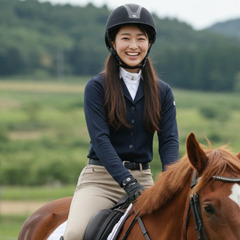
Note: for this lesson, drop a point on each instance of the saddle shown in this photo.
(102, 223)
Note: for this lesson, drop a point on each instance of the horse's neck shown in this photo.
(170, 219)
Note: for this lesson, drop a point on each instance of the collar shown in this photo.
(128, 76)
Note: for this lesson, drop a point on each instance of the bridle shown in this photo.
(194, 205)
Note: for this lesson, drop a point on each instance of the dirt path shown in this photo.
(19, 207)
(41, 87)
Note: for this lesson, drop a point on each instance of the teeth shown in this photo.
(132, 54)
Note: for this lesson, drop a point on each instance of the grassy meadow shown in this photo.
(44, 141)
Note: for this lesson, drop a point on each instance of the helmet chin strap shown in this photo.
(122, 64)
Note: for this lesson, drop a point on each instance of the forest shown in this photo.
(43, 40)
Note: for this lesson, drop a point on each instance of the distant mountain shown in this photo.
(230, 28)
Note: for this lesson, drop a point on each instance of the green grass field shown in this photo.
(44, 140)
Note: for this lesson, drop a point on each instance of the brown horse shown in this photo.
(200, 191)
(45, 220)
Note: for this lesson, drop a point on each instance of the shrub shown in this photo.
(216, 112)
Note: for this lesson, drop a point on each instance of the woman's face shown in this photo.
(131, 45)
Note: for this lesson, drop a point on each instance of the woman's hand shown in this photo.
(132, 187)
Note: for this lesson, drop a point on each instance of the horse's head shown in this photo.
(218, 189)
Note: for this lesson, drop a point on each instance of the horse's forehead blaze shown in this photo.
(235, 195)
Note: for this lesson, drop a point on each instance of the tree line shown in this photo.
(41, 39)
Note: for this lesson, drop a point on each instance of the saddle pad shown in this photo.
(58, 232)
(113, 235)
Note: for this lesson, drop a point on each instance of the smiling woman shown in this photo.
(121, 120)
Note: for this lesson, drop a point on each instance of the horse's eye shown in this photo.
(209, 209)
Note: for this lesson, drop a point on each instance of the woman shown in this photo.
(124, 105)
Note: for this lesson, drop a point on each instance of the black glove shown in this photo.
(132, 188)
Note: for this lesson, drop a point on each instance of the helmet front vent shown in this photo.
(132, 11)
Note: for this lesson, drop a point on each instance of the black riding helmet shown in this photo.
(129, 14)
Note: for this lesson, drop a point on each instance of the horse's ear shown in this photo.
(195, 153)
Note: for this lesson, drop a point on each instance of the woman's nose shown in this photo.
(133, 44)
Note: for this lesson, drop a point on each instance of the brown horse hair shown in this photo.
(178, 176)
(114, 99)
(175, 178)
(219, 161)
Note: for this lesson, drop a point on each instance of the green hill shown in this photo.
(228, 28)
(41, 39)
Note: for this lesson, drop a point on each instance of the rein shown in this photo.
(194, 205)
(141, 224)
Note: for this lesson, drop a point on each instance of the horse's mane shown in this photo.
(167, 185)
(178, 176)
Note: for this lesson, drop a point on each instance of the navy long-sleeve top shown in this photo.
(129, 144)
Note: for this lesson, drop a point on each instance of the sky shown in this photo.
(199, 14)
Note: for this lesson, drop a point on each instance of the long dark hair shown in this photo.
(114, 99)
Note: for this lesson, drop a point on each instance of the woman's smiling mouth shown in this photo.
(132, 54)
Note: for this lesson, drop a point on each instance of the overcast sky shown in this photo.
(198, 13)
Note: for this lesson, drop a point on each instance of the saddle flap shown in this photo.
(102, 223)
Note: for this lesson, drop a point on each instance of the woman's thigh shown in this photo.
(96, 190)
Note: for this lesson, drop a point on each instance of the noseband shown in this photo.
(194, 204)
